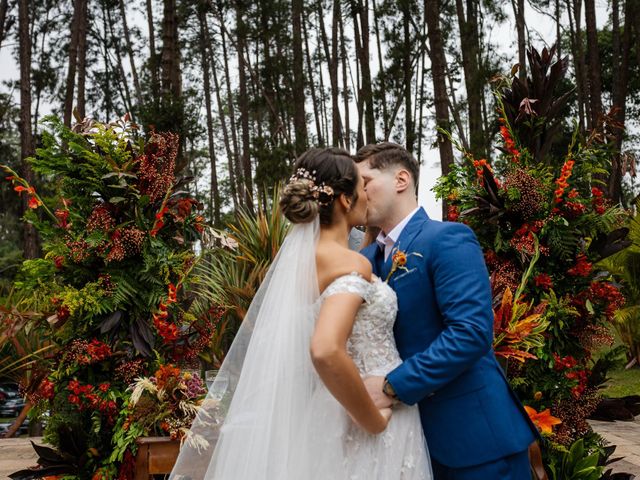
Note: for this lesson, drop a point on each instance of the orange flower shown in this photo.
(34, 202)
(400, 258)
(20, 189)
(543, 420)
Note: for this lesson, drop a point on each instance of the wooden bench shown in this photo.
(156, 455)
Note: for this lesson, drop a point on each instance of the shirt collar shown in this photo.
(392, 237)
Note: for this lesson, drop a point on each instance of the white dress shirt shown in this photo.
(387, 241)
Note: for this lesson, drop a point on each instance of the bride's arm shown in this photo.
(335, 366)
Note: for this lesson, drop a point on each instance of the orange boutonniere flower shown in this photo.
(543, 420)
(399, 261)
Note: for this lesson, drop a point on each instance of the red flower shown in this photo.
(47, 389)
(34, 202)
(172, 296)
(564, 362)
(63, 313)
(582, 268)
(20, 189)
(544, 281)
(562, 181)
(452, 213)
(98, 351)
(63, 218)
(58, 261)
(104, 387)
(509, 142)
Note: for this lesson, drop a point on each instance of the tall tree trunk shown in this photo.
(360, 59)
(421, 100)
(222, 116)
(299, 116)
(107, 65)
(30, 239)
(243, 103)
(438, 74)
(123, 86)
(383, 91)
(469, 39)
(232, 113)
(132, 62)
(82, 57)
(312, 84)
(345, 86)
(333, 75)
(367, 90)
(595, 81)
(153, 57)
(171, 77)
(518, 12)
(558, 30)
(214, 198)
(407, 71)
(620, 94)
(73, 56)
(4, 6)
(573, 11)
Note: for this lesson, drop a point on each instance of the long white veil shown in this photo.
(249, 424)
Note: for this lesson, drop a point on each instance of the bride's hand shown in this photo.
(386, 414)
(386, 417)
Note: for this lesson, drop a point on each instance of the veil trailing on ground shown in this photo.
(249, 424)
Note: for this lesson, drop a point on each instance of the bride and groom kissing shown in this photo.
(370, 365)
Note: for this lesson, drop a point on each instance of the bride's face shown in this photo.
(358, 213)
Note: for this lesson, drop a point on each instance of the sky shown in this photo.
(542, 29)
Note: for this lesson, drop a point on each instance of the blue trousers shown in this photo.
(513, 467)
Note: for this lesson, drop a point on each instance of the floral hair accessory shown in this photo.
(322, 193)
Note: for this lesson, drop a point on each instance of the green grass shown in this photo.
(622, 383)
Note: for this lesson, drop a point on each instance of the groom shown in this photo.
(474, 425)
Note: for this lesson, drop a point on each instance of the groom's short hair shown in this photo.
(387, 154)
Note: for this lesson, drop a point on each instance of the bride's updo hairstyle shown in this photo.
(320, 175)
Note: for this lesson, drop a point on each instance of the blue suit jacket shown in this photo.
(444, 333)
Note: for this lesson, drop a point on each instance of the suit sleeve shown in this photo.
(463, 295)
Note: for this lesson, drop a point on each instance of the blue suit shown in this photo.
(444, 332)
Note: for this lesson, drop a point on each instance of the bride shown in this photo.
(289, 402)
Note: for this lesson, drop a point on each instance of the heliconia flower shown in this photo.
(543, 420)
(34, 202)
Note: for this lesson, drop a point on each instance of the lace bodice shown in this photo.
(371, 344)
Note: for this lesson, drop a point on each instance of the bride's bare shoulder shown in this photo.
(334, 261)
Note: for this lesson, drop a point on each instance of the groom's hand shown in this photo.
(374, 387)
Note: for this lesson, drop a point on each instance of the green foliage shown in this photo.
(542, 219)
(577, 463)
(110, 292)
(625, 267)
(229, 274)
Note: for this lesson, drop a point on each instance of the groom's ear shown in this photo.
(403, 180)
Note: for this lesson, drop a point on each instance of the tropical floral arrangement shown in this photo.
(117, 232)
(543, 221)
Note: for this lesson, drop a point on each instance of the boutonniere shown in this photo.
(399, 261)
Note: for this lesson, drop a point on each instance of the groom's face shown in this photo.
(380, 186)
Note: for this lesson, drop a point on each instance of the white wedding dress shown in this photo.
(268, 416)
(398, 453)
